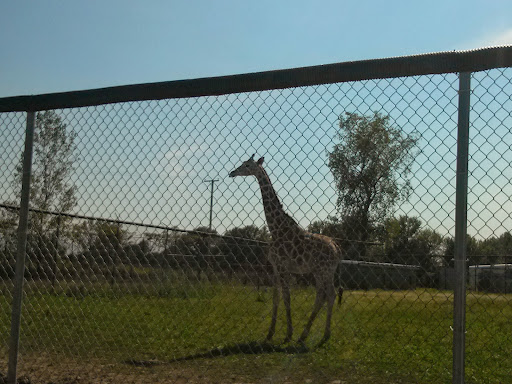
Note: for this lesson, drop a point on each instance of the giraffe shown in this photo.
(294, 250)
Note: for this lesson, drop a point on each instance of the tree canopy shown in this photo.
(371, 165)
(51, 189)
(53, 164)
(405, 242)
(245, 245)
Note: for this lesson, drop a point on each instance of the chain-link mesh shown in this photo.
(489, 310)
(127, 279)
(11, 148)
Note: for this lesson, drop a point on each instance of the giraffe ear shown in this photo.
(260, 160)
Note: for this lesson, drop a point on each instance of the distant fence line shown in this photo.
(154, 226)
(351, 272)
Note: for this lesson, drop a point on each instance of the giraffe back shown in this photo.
(299, 251)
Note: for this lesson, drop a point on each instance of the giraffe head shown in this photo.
(248, 168)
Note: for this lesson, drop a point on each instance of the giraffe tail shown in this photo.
(340, 295)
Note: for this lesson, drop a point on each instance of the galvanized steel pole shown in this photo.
(461, 195)
(21, 250)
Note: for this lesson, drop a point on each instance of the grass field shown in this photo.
(215, 333)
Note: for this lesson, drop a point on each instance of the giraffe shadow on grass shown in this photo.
(250, 348)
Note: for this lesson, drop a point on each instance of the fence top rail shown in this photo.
(425, 64)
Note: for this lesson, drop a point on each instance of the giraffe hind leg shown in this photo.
(330, 298)
(319, 301)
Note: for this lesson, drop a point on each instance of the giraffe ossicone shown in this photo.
(294, 250)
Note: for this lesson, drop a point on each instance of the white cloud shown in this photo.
(186, 151)
(497, 38)
(181, 159)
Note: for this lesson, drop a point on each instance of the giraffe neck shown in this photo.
(278, 221)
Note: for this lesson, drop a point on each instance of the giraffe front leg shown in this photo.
(287, 305)
(275, 306)
(275, 294)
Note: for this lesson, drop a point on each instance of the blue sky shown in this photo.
(147, 161)
(52, 46)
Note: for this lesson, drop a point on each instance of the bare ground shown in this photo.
(50, 370)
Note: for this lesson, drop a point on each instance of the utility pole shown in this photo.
(211, 200)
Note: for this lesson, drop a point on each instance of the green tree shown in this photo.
(7, 244)
(197, 248)
(342, 231)
(152, 250)
(331, 227)
(487, 251)
(431, 248)
(53, 161)
(108, 242)
(51, 189)
(245, 247)
(142, 253)
(102, 246)
(405, 242)
(493, 250)
(371, 165)
(505, 248)
(472, 251)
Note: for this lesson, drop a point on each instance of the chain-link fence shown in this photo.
(146, 262)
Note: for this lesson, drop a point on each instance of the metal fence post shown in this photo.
(21, 250)
(459, 306)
